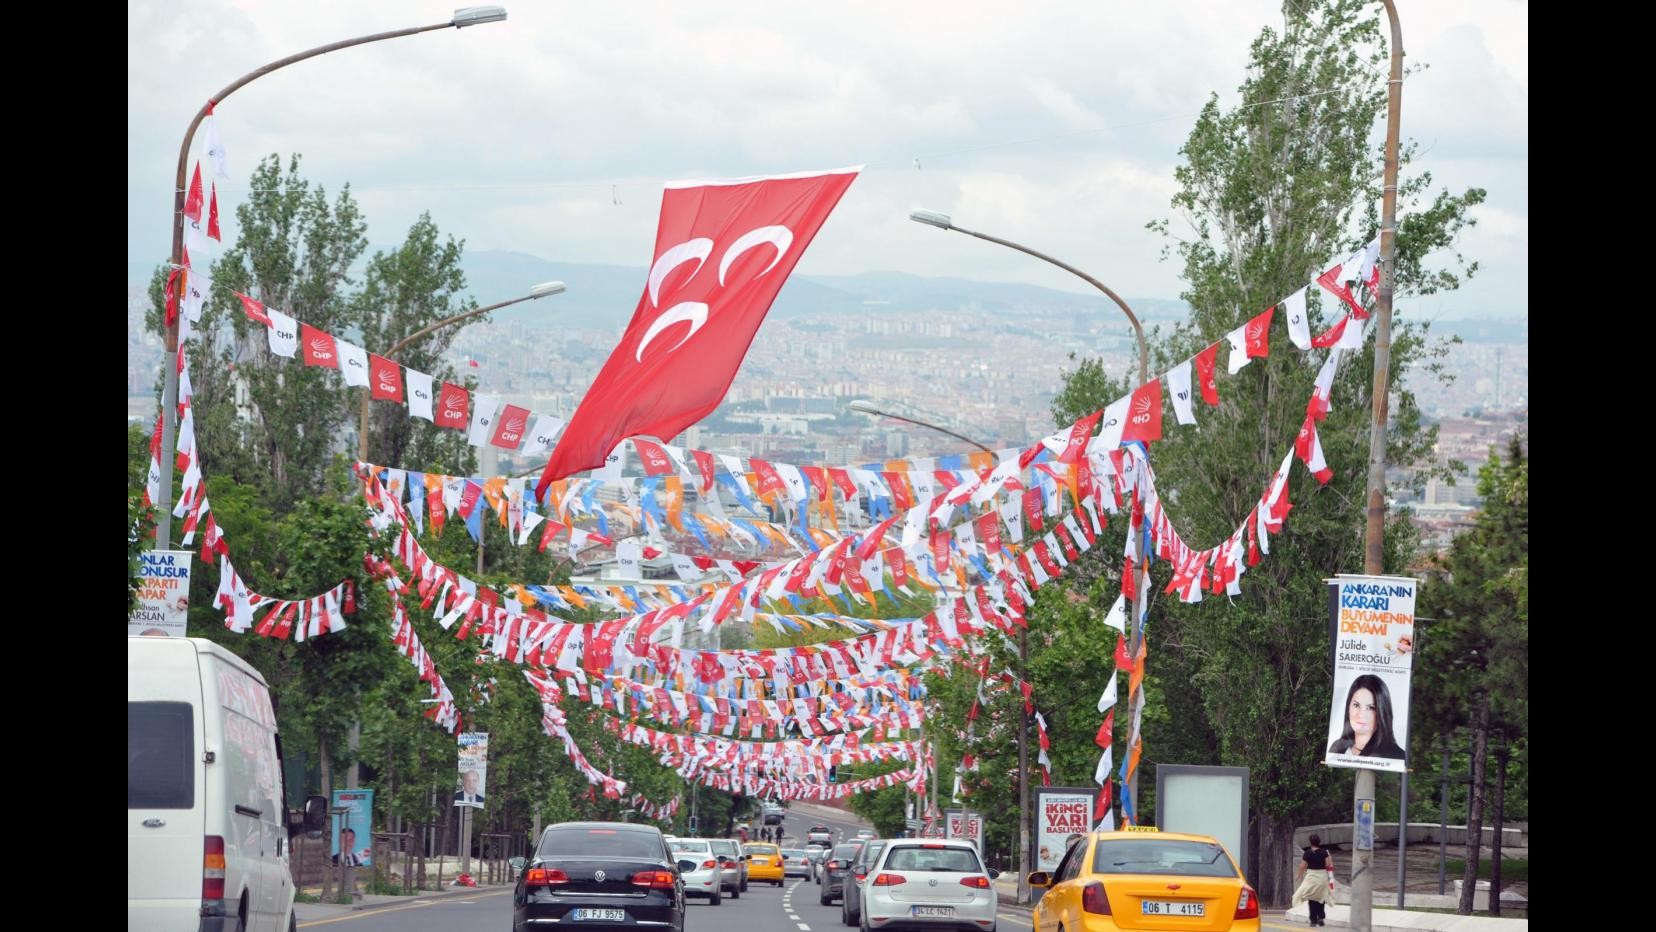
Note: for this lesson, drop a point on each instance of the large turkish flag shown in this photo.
(723, 250)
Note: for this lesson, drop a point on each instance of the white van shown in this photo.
(207, 828)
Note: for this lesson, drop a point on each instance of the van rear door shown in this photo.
(164, 821)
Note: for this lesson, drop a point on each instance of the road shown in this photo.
(792, 907)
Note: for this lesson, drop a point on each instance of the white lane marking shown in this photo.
(804, 928)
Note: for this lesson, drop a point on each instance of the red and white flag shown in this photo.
(1334, 282)
(653, 458)
(453, 407)
(510, 427)
(1309, 447)
(723, 250)
(1318, 407)
(1205, 361)
(385, 379)
(1144, 414)
(318, 347)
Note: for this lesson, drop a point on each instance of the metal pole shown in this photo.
(1141, 580)
(1023, 776)
(1362, 877)
(1443, 826)
(1403, 841)
(169, 389)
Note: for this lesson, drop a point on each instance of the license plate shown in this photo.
(1172, 908)
(944, 912)
(600, 915)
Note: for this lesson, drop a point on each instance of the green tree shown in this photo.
(1474, 658)
(403, 292)
(261, 418)
(140, 517)
(1274, 190)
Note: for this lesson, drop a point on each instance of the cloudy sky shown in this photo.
(1052, 122)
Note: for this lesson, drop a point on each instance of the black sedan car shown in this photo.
(835, 870)
(599, 875)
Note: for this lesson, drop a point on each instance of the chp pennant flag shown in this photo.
(723, 250)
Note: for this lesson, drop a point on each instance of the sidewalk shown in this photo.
(308, 912)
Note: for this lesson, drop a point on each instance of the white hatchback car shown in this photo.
(929, 884)
(704, 879)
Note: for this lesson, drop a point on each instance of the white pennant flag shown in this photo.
(1117, 618)
(629, 559)
(794, 480)
(419, 394)
(1012, 517)
(1299, 326)
(1108, 698)
(1352, 336)
(353, 362)
(1111, 426)
(1371, 258)
(531, 520)
(614, 464)
(215, 148)
(283, 333)
(1238, 349)
(483, 414)
(1102, 771)
(543, 435)
(1178, 382)
(685, 567)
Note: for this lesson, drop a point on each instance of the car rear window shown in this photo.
(920, 858)
(871, 852)
(847, 851)
(759, 849)
(725, 846)
(793, 853)
(687, 845)
(599, 843)
(160, 755)
(1162, 856)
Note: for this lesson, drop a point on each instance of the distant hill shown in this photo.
(604, 296)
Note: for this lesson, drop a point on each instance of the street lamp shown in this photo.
(542, 290)
(943, 222)
(468, 16)
(864, 407)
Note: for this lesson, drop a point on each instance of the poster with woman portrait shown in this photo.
(1372, 619)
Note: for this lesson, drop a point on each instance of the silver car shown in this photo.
(733, 864)
(704, 878)
(929, 884)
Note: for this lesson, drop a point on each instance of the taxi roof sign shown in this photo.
(1140, 828)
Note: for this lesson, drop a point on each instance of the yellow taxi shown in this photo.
(764, 863)
(1145, 879)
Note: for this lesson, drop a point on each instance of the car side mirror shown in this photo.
(1040, 879)
(686, 865)
(993, 873)
(311, 820)
(747, 857)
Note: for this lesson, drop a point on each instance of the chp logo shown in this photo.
(698, 250)
(1255, 334)
(452, 410)
(511, 428)
(388, 377)
(321, 348)
(1141, 411)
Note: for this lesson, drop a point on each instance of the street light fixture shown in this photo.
(943, 221)
(541, 290)
(477, 16)
(467, 16)
(931, 218)
(864, 407)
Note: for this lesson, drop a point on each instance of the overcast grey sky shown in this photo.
(1053, 123)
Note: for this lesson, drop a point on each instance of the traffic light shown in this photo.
(833, 773)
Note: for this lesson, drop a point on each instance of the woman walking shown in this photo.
(1316, 880)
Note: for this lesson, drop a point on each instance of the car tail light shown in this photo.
(980, 882)
(212, 868)
(709, 864)
(833, 865)
(889, 880)
(1247, 905)
(655, 880)
(1093, 899)
(860, 874)
(544, 877)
